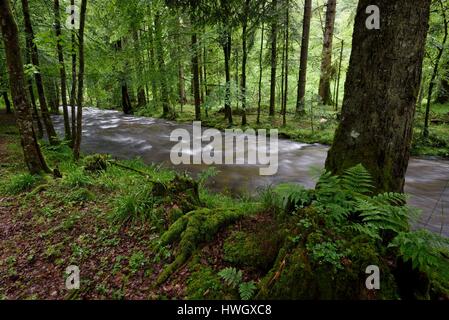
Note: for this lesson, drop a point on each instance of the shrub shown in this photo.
(21, 183)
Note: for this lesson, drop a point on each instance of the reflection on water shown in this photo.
(126, 137)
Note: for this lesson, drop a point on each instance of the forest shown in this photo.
(224, 150)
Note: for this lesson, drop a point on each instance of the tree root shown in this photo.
(193, 229)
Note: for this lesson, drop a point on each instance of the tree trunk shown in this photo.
(380, 94)
(34, 111)
(153, 69)
(196, 78)
(227, 55)
(52, 137)
(244, 61)
(273, 62)
(74, 77)
(181, 85)
(287, 45)
(326, 58)
(259, 97)
(302, 79)
(443, 94)
(7, 102)
(79, 116)
(435, 71)
(165, 99)
(32, 153)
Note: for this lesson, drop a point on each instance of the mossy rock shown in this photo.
(256, 249)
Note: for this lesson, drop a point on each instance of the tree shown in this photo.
(74, 76)
(52, 136)
(326, 57)
(32, 153)
(380, 94)
(273, 59)
(196, 77)
(56, 9)
(7, 102)
(440, 50)
(79, 116)
(302, 78)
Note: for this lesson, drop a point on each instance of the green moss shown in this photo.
(255, 249)
(80, 195)
(204, 283)
(193, 229)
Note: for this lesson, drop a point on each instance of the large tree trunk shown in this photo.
(380, 93)
(32, 153)
(302, 79)
(165, 99)
(74, 77)
(196, 77)
(7, 103)
(326, 59)
(273, 61)
(79, 115)
(52, 137)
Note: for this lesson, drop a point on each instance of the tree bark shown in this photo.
(227, 55)
(244, 61)
(74, 79)
(302, 79)
(79, 116)
(287, 45)
(35, 113)
(273, 61)
(380, 94)
(52, 136)
(32, 153)
(165, 99)
(259, 97)
(326, 60)
(7, 102)
(196, 77)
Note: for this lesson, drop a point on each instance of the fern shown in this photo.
(428, 253)
(247, 289)
(231, 276)
(357, 180)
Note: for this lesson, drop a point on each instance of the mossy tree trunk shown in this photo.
(32, 153)
(381, 90)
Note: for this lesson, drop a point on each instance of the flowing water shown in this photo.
(127, 137)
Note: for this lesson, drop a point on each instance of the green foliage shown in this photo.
(135, 206)
(428, 253)
(76, 178)
(204, 283)
(234, 279)
(247, 290)
(21, 183)
(137, 261)
(231, 276)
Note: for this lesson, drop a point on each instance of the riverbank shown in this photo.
(319, 125)
(143, 232)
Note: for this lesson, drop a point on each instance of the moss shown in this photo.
(297, 276)
(80, 195)
(204, 283)
(96, 163)
(256, 249)
(193, 229)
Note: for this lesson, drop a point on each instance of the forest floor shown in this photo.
(319, 126)
(142, 232)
